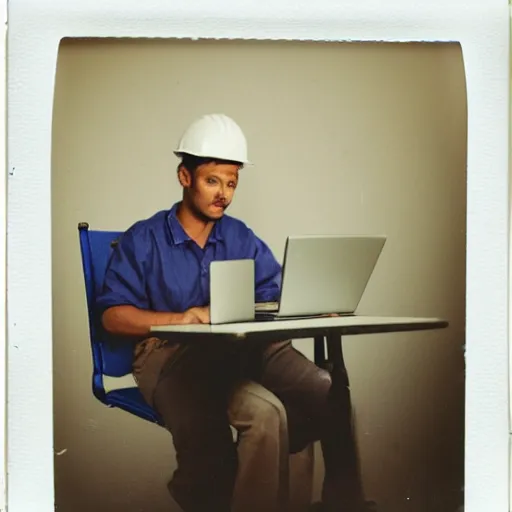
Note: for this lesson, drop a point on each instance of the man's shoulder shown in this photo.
(155, 221)
(150, 225)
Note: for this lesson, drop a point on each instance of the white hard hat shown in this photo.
(214, 136)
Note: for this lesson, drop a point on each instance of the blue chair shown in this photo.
(109, 358)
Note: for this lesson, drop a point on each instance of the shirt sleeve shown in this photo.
(267, 272)
(125, 281)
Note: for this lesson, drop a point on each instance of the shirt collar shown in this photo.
(178, 233)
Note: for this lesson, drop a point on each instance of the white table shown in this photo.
(330, 329)
(300, 328)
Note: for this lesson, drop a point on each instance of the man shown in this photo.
(276, 398)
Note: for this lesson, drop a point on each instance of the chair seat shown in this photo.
(132, 401)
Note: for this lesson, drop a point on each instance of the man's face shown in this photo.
(212, 189)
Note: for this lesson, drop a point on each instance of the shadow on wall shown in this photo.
(346, 138)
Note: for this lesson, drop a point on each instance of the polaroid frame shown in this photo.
(3, 255)
(34, 33)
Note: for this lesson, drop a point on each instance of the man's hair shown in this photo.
(192, 162)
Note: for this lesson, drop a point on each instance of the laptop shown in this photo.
(232, 285)
(323, 274)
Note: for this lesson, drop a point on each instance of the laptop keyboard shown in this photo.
(266, 307)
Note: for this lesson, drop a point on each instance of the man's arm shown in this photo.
(123, 304)
(131, 321)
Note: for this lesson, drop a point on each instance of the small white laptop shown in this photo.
(323, 274)
(232, 291)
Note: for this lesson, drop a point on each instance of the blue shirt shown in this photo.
(156, 266)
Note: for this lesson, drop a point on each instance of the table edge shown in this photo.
(298, 332)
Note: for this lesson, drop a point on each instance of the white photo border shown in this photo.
(3, 255)
(35, 29)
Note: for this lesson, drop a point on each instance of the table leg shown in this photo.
(340, 394)
(336, 365)
(319, 347)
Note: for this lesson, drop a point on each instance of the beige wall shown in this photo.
(346, 138)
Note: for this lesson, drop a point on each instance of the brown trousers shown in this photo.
(277, 400)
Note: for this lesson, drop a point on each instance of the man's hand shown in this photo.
(197, 316)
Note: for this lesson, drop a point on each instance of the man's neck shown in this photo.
(197, 229)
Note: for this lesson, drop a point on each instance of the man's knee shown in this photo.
(253, 408)
(323, 382)
(268, 417)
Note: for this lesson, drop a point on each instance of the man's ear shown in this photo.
(184, 177)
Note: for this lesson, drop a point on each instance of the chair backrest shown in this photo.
(109, 358)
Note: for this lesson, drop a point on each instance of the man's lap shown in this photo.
(196, 380)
